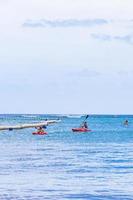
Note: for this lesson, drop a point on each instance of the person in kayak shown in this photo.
(40, 130)
(85, 125)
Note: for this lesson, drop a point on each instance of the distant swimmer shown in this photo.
(126, 122)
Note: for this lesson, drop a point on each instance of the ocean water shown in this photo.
(64, 165)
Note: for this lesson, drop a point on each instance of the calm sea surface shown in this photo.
(64, 165)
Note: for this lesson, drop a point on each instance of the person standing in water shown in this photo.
(126, 122)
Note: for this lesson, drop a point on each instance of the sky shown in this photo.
(66, 56)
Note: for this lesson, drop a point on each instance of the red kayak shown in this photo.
(39, 133)
(81, 130)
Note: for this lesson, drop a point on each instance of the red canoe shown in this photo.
(39, 133)
(80, 130)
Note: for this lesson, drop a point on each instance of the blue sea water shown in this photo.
(64, 165)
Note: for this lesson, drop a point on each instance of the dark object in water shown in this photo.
(10, 129)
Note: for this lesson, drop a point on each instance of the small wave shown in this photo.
(29, 116)
(74, 116)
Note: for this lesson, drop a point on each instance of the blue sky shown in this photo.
(66, 56)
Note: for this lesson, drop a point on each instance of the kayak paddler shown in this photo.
(40, 129)
(85, 125)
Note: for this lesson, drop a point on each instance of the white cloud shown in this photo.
(64, 23)
(121, 38)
